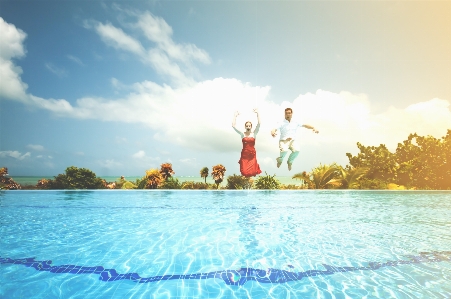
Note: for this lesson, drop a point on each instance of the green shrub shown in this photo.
(197, 185)
(239, 182)
(367, 183)
(267, 182)
(44, 184)
(170, 183)
(128, 185)
(292, 187)
(141, 183)
(76, 178)
(7, 183)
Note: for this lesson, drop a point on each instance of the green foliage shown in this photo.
(421, 162)
(153, 179)
(291, 187)
(7, 183)
(267, 182)
(350, 177)
(425, 162)
(197, 185)
(43, 184)
(322, 177)
(166, 171)
(239, 182)
(204, 173)
(170, 183)
(374, 184)
(218, 173)
(127, 185)
(120, 183)
(76, 178)
(141, 184)
(381, 163)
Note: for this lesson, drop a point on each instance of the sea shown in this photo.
(33, 180)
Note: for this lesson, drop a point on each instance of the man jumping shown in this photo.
(288, 130)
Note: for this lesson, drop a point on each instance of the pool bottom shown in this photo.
(230, 277)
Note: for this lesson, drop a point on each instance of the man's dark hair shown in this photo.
(286, 109)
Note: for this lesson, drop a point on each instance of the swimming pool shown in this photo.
(225, 244)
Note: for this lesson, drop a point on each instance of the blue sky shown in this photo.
(121, 87)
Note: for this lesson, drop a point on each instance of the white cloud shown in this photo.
(109, 164)
(120, 140)
(44, 157)
(35, 147)
(198, 116)
(139, 155)
(346, 118)
(76, 60)
(143, 158)
(157, 30)
(189, 161)
(117, 38)
(11, 85)
(56, 70)
(11, 46)
(170, 59)
(11, 43)
(14, 154)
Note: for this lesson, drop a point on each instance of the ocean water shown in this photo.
(33, 180)
(225, 244)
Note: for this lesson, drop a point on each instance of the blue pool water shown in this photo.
(225, 244)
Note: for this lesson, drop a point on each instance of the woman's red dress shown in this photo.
(248, 161)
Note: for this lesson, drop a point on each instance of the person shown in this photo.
(248, 160)
(288, 129)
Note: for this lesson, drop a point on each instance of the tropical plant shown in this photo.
(204, 173)
(381, 163)
(166, 171)
(7, 183)
(76, 178)
(151, 180)
(425, 162)
(197, 185)
(239, 182)
(350, 177)
(43, 184)
(267, 182)
(421, 162)
(218, 174)
(171, 183)
(393, 186)
(128, 185)
(375, 184)
(291, 187)
(321, 177)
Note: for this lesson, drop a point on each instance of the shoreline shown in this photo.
(33, 180)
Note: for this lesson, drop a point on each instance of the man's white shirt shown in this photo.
(287, 129)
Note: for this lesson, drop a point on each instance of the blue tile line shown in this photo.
(230, 277)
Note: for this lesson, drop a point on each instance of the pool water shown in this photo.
(225, 244)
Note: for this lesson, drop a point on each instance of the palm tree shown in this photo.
(218, 174)
(350, 177)
(166, 171)
(321, 177)
(204, 173)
